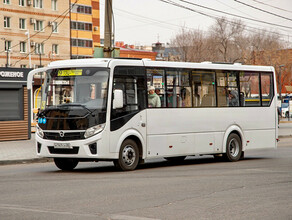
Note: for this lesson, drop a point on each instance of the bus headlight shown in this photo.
(93, 130)
(39, 132)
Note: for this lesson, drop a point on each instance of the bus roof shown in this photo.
(104, 62)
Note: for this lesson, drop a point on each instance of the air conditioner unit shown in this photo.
(32, 21)
(50, 23)
(32, 43)
(28, 2)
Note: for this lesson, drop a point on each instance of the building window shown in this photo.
(21, 2)
(81, 43)
(54, 5)
(81, 26)
(55, 27)
(7, 22)
(39, 48)
(55, 49)
(7, 45)
(22, 24)
(38, 25)
(22, 66)
(22, 47)
(6, 2)
(81, 9)
(38, 3)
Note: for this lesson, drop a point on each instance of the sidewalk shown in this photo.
(23, 151)
(13, 152)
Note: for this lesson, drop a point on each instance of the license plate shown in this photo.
(63, 145)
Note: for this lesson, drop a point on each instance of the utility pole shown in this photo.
(108, 29)
(280, 81)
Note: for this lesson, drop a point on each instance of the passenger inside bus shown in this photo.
(153, 98)
(233, 98)
(161, 96)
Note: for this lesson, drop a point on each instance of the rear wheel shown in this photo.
(66, 163)
(233, 148)
(128, 156)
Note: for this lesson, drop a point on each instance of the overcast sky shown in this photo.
(143, 22)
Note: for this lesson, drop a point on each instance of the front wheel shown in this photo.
(128, 156)
(66, 163)
(233, 148)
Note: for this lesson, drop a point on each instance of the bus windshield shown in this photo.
(76, 87)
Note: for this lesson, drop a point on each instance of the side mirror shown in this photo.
(118, 101)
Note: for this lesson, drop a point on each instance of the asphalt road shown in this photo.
(259, 187)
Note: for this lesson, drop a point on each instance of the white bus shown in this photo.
(98, 110)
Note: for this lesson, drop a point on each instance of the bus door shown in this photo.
(130, 119)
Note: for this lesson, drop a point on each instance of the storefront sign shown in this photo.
(6, 74)
(14, 74)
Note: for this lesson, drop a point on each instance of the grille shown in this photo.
(70, 136)
(53, 150)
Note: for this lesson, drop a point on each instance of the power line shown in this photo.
(263, 10)
(286, 35)
(239, 16)
(216, 17)
(212, 16)
(272, 6)
(68, 11)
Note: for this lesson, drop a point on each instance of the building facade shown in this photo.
(281, 60)
(85, 28)
(34, 32)
(14, 104)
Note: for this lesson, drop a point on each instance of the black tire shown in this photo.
(128, 156)
(233, 148)
(175, 159)
(66, 164)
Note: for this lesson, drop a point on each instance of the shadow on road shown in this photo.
(84, 167)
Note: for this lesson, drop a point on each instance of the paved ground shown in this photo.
(24, 151)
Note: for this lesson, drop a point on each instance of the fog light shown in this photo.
(93, 148)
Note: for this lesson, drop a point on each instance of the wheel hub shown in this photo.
(234, 147)
(129, 155)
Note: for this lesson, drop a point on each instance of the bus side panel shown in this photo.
(204, 129)
(260, 139)
(133, 127)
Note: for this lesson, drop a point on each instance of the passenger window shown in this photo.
(249, 88)
(203, 83)
(156, 81)
(178, 89)
(267, 88)
(227, 89)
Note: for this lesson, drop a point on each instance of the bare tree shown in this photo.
(227, 37)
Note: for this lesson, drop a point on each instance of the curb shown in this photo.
(25, 161)
(286, 121)
(285, 136)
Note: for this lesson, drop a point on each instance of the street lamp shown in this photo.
(28, 42)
